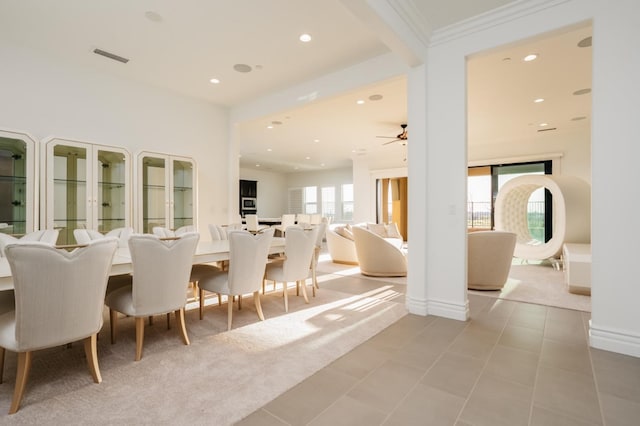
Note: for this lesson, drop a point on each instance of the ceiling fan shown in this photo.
(402, 137)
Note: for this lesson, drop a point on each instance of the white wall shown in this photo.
(615, 318)
(272, 191)
(45, 97)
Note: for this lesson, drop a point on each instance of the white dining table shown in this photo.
(206, 252)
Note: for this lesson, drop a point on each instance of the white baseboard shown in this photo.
(613, 340)
(438, 308)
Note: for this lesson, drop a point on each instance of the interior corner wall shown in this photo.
(272, 191)
(48, 97)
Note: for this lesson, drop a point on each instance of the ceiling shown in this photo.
(180, 46)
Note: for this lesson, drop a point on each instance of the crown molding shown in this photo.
(492, 18)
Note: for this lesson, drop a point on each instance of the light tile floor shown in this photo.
(512, 364)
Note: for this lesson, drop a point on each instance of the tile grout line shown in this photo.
(593, 372)
(535, 381)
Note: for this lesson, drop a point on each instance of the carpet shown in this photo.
(541, 284)
(222, 376)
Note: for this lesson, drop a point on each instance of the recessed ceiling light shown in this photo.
(375, 97)
(585, 42)
(582, 92)
(305, 38)
(530, 57)
(153, 16)
(214, 81)
(316, 140)
(257, 165)
(307, 158)
(269, 150)
(360, 102)
(353, 150)
(538, 100)
(321, 164)
(269, 126)
(543, 124)
(242, 68)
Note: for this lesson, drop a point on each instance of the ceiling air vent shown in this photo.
(110, 55)
(547, 130)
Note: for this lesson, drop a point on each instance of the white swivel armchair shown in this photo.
(298, 254)
(247, 260)
(59, 299)
(378, 257)
(161, 271)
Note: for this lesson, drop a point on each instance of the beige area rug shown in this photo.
(541, 284)
(217, 380)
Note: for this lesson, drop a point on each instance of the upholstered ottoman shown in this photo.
(577, 267)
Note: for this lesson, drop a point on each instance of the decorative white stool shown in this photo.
(577, 268)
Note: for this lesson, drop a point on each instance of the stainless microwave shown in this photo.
(249, 203)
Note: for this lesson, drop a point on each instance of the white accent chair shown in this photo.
(341, 246)
(161, 271)
(163, 232)
(298, 255)
(286, 221)
(83, 236)
(47, 236)
(59, 299)
(489, 256)
(247, 259)
(377, 256)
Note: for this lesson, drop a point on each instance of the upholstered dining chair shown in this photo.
(47, 236)
(252, 223)
(83, 236)
(161, 270)
(294, 267)
(322, 229)
(163, 232)
(59, 299)
(247, 260)
(286, 221)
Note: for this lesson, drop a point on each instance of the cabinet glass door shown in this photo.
(182, 193)
(154, 194)
(16, 183)
(112, 190)
(71, 202)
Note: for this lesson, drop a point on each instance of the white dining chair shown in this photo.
(47, 236)
(252, 223)
(247, 259)
(83, 236)
(286, 221)
(59, 299)
(294, 267)
(161, 270)
(322, 229)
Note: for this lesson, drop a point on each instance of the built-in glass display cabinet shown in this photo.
(167, 195)
(87, 186)
(18, 183)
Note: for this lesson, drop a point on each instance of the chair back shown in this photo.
(163, 232)
(217, 232)
(287, 220)
(184, 229)
(299, 245)
(252, 222)
(122, 234)
(161, 271)
(59, 295)
(84, 236)
(247, 260)
(322, 230)
(46, 236)
(303, 219)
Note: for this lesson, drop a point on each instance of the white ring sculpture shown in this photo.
(571, 213)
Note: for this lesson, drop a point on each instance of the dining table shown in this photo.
(206, 252)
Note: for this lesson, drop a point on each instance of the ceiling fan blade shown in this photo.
(387, 137)
(387, 143)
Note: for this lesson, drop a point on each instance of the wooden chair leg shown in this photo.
(202, 303)
(229, 311)
(182, 326)
(256, 300)
(113, 323)
(139, 337)
(91, 352)
(219, 299)
(239, 302)
(303, 284)
(286, 298)
(1, 364)
(24, 365)
(150, 319)
(169, 321)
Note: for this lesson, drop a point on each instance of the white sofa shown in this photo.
(378, 256)
(341, 245)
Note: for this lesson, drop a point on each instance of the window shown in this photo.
(310, 200)
(328, 199)
(347, 201)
